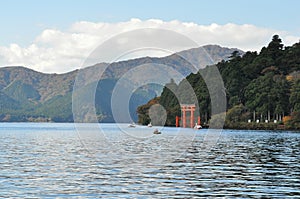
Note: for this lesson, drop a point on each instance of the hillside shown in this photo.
(27, 95)
(259, 87)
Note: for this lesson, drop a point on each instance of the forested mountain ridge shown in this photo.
(260, 87)
(28, 95)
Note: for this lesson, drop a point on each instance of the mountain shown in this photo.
(28, 95)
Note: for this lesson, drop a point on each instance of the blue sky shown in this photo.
(21, 20)
(44, 35)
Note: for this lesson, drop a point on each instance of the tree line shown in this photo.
(260, 88)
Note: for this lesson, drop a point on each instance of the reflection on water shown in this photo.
(48, 160)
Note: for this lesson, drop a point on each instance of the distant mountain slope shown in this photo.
(47, 85)
(7, 103)
(208, 55)
(20, 91)
(184, 62)
(28, 95)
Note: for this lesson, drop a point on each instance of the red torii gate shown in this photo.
(187, 108)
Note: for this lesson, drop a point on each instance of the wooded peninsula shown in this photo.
(262, 90)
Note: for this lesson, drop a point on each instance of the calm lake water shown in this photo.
(115, 161)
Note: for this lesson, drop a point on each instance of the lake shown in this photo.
(49, 160)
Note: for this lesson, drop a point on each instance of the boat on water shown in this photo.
(156, 131)
(132, 125)
(197, 126)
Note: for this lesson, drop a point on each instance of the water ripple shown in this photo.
(50, 161)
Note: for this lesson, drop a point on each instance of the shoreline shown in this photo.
(258, 126)
(235, 126)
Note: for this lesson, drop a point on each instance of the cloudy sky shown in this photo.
(57, 36)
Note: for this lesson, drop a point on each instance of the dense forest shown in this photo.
(262, 90)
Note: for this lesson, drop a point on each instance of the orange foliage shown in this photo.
(286, 118)
(289, 77)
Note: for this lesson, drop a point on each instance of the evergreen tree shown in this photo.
(295, 96)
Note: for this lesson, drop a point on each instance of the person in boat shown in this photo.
(156, 131)
(197, 126)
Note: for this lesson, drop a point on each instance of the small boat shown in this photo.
(197, 126)
(156, 132)
(132, 125)
(149, 125)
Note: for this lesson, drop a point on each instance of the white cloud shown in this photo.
(57, 51)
